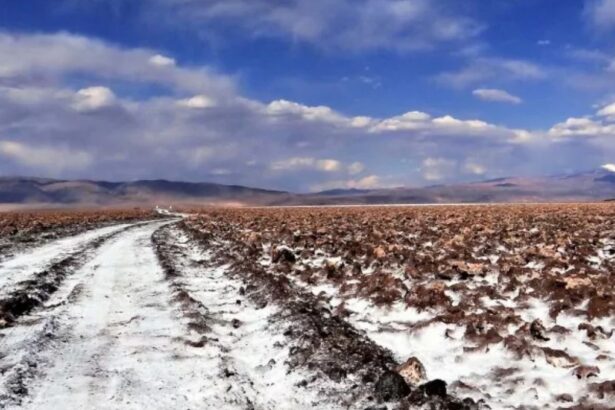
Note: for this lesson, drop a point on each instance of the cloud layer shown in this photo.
(348, 24)
(68, 108)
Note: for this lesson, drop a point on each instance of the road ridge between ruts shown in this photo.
(33, 292)
(106, 339)
(323, 342)
(231, 319)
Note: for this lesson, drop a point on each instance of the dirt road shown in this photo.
(118, 330)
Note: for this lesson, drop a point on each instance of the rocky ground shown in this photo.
(510, 305)
(458, 307)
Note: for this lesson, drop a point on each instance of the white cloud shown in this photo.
(356, 168)
(421, 123)
(198, 101)
(47, 57)
(51, 159)
(343, 24)
(436, 169)
(601, 13)
(581, 127)
(93, 98)
(474, 168)
(156, 136)
(161, 61)
(367, 182)
(609, 167)
(483, 69)
(303, 163)
(607, 111)
(493, 94)
(328, 165)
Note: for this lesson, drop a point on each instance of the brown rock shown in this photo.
(574, 282)
(413, 371)
(380, 253)
(564, 398)
(559, 358)
(585, 372)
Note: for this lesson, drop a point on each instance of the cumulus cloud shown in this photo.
(198, 101)
(46, 57)
(436, 169)
(303, 163)
(607, 111)
(356, 168)
(93, 98)
(51, 159)
(161, 61)
(493, 94)
(200, 127)
(474, 168)
(367, 182)
(582, 127)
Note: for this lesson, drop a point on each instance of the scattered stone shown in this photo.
(585, 372)
(413, 371)
(559, 358)
(538, 331)
(435, 387)
(391, 386)
(283, 254)
(380, 253)
(564, 398)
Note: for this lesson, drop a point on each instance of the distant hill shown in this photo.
(597, 185)
(51, 191)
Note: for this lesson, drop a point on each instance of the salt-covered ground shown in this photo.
(247, 343)
(510, 305)
(124, 330)
(565, 362)
(22, 266)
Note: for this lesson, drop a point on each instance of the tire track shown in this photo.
(107, 339)
(31, 293)
(332, 365)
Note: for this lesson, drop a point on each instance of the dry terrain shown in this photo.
(435, 307)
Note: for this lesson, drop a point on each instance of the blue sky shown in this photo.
(306, 95)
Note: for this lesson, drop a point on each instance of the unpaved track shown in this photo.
(115, 339)
(248, 343)
(120, 333)
(21, 267)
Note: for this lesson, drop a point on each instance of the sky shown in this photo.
(306, 95)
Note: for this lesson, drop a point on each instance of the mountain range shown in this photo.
(596, 185)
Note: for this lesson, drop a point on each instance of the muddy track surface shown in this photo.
(148, 316)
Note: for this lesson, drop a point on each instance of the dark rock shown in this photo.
(435, 387)
(236, 323)
(391, 386)
(283, 254)
(537, 330)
